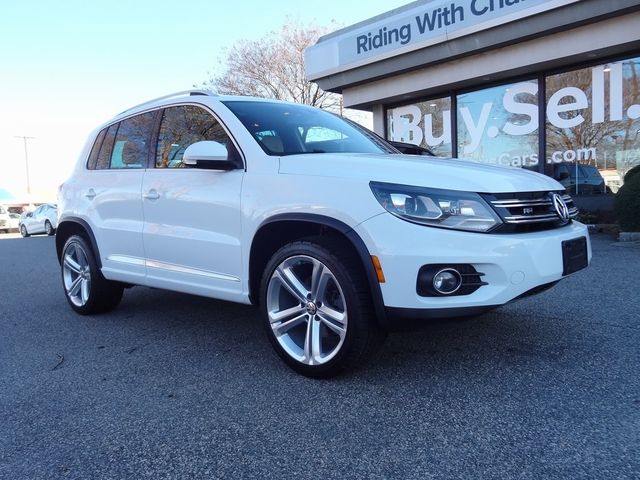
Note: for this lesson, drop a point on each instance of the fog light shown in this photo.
(447, 281)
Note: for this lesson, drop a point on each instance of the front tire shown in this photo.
(317, 308)
(48, 228)
(23, 231)
(85, 288)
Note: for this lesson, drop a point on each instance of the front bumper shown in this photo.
(513, 264)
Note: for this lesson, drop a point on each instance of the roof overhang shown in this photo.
(429, 32)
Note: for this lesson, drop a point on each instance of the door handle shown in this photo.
(151, 195)
(91, 193)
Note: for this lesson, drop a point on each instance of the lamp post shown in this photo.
(26, 161)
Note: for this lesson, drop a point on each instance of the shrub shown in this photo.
(631, 173)
(627, 204)
(588, 218)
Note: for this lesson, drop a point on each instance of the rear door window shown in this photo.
(131, 145)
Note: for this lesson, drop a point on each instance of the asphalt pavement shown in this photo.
(176, 386)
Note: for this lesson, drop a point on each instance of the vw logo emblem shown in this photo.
(561, 208)
(311, 308)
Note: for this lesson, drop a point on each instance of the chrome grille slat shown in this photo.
(520, 203)
(539, 219)
(524, 204)
(546, 216)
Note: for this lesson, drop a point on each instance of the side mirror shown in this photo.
(208, 155)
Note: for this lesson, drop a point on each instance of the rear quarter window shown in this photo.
(104, 156)
(95, 150)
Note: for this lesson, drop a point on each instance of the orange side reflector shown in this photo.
(378, 267)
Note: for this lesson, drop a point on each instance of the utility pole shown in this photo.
(26, 161)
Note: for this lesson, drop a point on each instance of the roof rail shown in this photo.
(171, 95)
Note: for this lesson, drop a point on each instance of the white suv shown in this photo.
(331, 231)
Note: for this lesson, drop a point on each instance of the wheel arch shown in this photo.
(280, 229)
(75, 226)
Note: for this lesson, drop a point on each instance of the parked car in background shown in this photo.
(43, 219)
(14, 222)
(589, 180)
(5, 220)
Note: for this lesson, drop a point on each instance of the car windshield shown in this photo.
(287, 129)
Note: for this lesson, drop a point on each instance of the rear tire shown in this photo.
(85, 288)
(317, 308)
(48, 228)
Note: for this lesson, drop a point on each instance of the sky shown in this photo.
(67, 66)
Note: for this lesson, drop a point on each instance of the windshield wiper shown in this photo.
(316, 150)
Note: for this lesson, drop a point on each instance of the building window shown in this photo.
(499, 125)
(593, 126)
(427, 124)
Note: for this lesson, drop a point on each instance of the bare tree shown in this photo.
(273, 67)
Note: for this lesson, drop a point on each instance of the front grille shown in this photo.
(529, 211)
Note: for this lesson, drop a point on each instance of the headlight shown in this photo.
(435, 207)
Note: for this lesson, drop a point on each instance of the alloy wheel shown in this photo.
(307, 310)
(76, 274)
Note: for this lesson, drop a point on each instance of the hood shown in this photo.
(445, 173)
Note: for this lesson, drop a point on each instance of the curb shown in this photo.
(604, 228)
(629, 237)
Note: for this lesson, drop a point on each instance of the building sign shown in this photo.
(418, 27)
